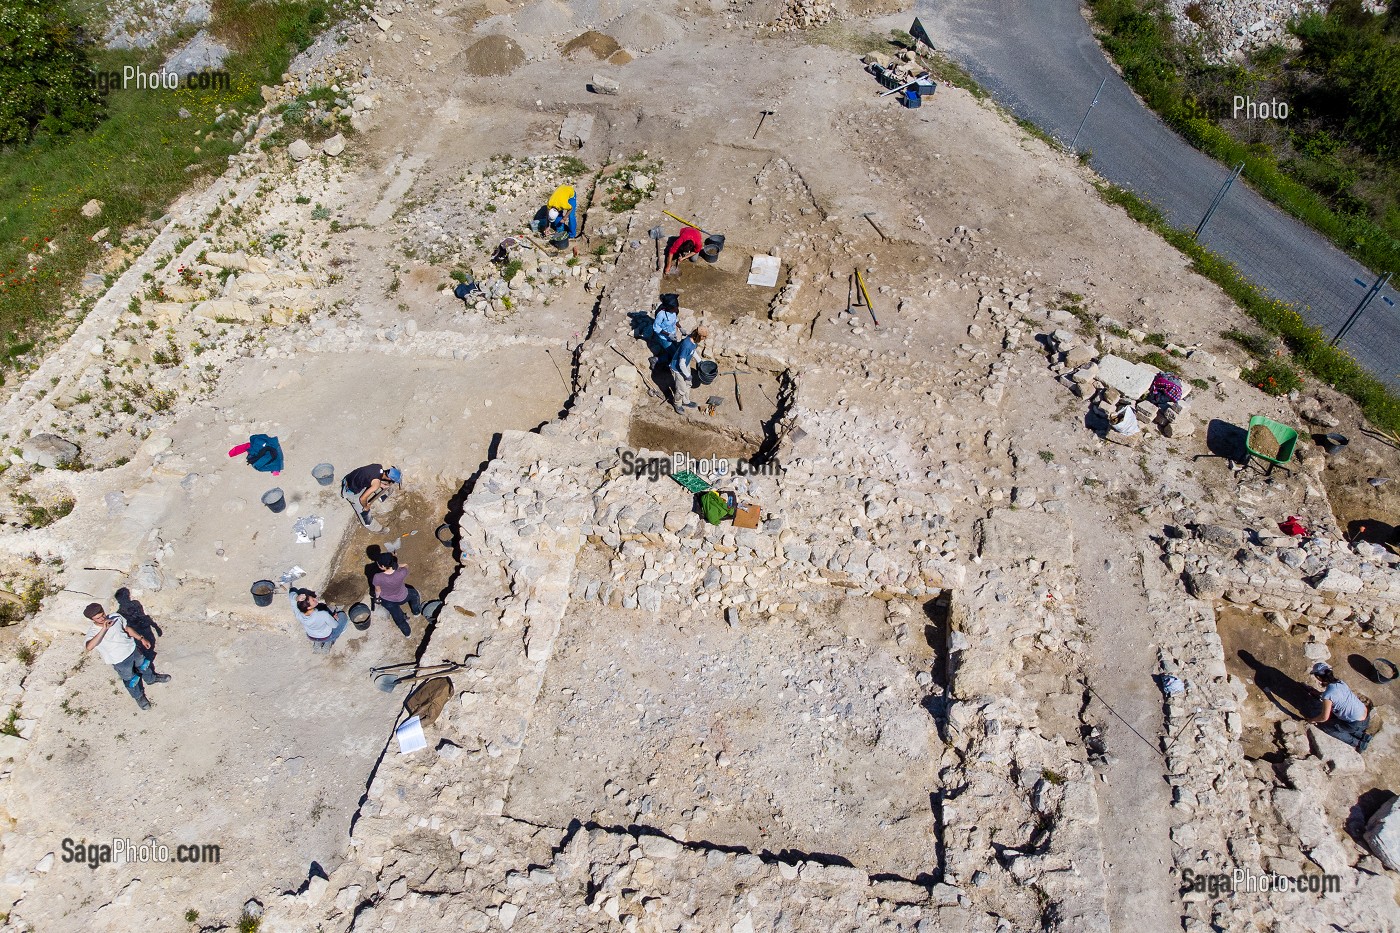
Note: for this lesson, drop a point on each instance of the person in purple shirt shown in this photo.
(393, 592)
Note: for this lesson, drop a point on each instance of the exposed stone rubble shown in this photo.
(880, 709)
(1233, 27)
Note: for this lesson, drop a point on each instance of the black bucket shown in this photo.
(274, 499)
(1332, 443)
(1386, 671)
(262, 592)
(359, 616)
(445, 534)
(707, 372)
(713, 244)
(431, 609)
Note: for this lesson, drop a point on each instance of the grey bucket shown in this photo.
(262, 592)
(324, 473)
(431, 609)
(1386, 671)
(713, 245)
(359, 615)
(274, 500)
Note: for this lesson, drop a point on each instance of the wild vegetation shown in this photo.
(1334, 162)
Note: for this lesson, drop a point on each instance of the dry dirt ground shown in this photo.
(812, 733)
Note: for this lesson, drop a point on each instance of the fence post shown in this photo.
(1219, 196)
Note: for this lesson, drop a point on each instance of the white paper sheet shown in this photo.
(410, 736)
(764, 271)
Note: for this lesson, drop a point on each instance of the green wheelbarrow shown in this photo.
(1271, 442)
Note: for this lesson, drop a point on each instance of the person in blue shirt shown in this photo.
(665, 327)
(1341, 714)
(685, 355)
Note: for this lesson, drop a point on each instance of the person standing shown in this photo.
(363, 486)
(115, 642)
(393, 592)
(321, 623)
(686, 245)
(665, 327)
(682, 359)
(1341, 714)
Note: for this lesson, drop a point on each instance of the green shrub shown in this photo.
(1274, 377)
(47, 87)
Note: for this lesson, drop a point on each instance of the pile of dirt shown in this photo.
(642, 30)
(493, 55)
(593, 43)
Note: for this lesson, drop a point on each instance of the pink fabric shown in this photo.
(240, 449)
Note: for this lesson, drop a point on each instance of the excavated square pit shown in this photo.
(785, 733)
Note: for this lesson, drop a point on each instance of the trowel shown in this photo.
(392, 547)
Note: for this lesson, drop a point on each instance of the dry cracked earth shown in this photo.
(922, 694)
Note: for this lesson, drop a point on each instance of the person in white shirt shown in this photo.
(322, 625)
(115, 642)
(1340, 713)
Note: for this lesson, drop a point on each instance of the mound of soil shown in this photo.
(593, 43)
(493, 55)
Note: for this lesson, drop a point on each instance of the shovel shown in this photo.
(388, 679)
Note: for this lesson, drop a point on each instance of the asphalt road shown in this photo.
(1039, 60)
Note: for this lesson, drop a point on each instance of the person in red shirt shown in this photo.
(686, 245)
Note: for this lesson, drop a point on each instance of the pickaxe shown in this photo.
(870, 217)
(736, 373)
(762, 115)
(685, 223)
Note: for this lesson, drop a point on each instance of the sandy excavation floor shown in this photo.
(907, 701)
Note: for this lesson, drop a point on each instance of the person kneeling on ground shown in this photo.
(687, 353)
(363, 486)
(561, 212)
(686, 245)
(392, 590)
(115, 641)
(1341, 714)
(323, 625)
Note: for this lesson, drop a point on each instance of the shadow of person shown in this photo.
(1370, 529)
(1289, 695)
(136, 616)
(1226, 440)
(372, 555)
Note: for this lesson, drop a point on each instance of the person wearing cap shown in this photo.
(115, 642)
(665, 327)
(1341, 714)
(686, 245)
(562, 210)
(682, 359)
(361, 487)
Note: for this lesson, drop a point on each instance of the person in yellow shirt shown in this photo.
(562, 211)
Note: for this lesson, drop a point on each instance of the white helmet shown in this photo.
(553, 213)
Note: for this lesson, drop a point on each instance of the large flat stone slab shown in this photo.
(1131, 379)
(1014, 535)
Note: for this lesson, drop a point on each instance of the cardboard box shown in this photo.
(747, 517)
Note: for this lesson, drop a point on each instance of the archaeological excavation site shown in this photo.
(615, 466)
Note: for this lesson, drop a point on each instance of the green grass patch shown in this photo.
(1307, 344)
(136, 161)
(1160, 361)
(1273, 377)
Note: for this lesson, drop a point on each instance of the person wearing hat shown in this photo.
(1341, 713)
(363, 486)
(682, 360)
(562, 211)
(665, 327)
(686, 245)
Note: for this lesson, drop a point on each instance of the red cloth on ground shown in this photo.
(1292, 526)
(687, 235)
